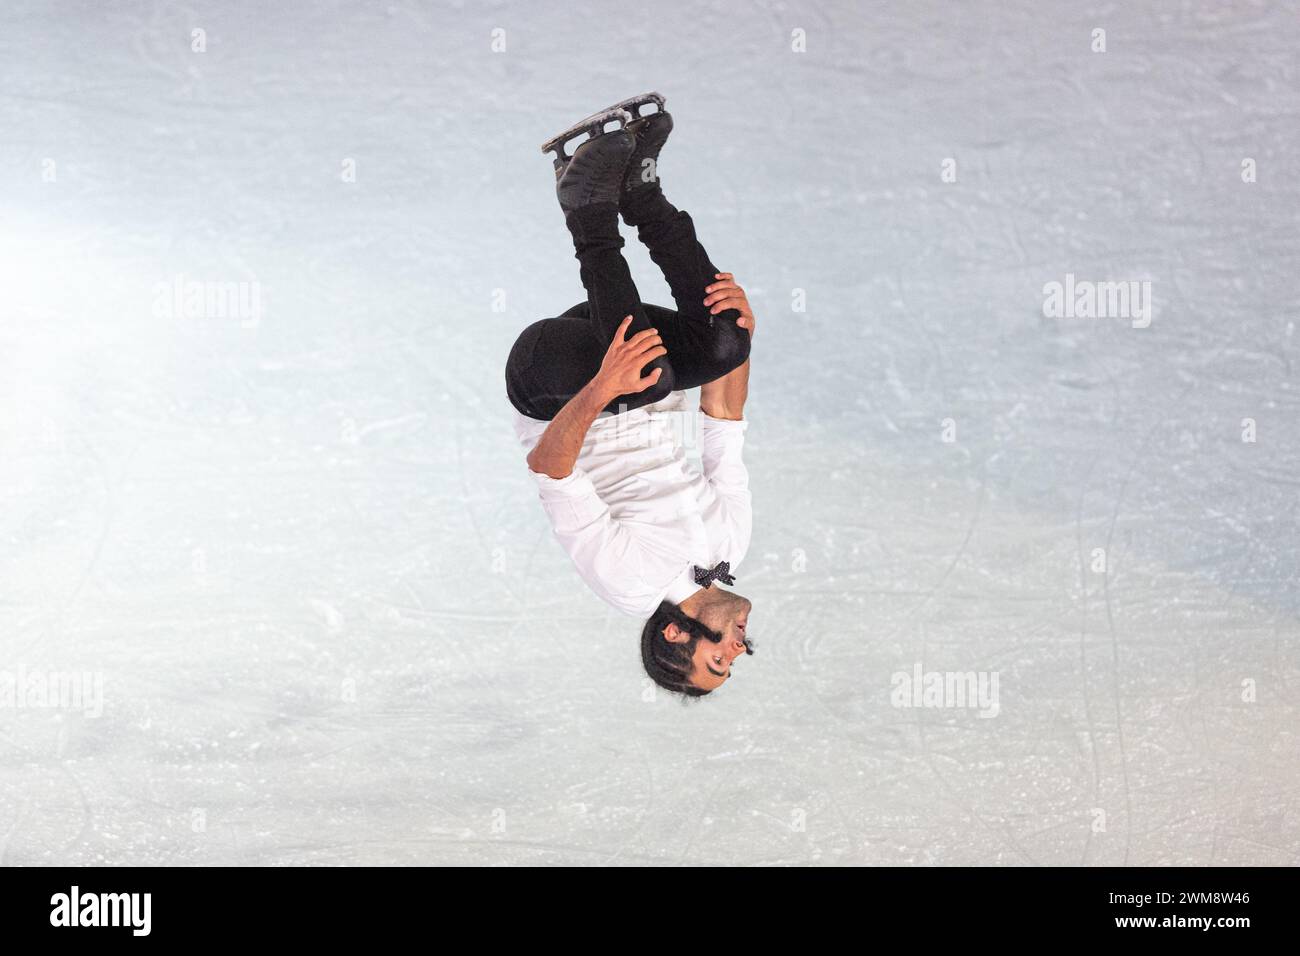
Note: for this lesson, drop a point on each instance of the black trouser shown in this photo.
(553, 359)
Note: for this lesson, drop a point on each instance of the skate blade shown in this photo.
(633, 104)
(594, 125)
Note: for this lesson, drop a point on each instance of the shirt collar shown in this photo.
(683, 586)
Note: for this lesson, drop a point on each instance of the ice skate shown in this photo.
(623, 112)
(595, 171)
(593, 126)
(651, 132)
(633, 104)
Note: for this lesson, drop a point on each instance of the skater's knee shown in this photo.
(665, 386)
(729, 347)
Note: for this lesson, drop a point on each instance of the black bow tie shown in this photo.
(720, 572)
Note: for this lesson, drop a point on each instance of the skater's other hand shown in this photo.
(620, 371)
(726, 294)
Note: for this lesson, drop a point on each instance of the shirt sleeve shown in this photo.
(571, 502)
(721, 442)
(607, 555)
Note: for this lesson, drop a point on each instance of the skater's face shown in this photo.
(711, 665)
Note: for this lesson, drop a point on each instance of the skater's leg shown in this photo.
(588, 186)
(553, 359)
(549, 363)
(699, 354)
(699, 359)
(669, 235)
(715, 342)
(703, 347)
(667, 232)
(611, 293)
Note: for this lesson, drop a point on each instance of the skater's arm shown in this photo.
(721, 444)
(556, 452)
(723, 428)
(725, 397)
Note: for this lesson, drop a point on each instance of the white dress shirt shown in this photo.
(634, 517)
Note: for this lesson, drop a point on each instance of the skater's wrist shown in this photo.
(722, 411)
(601, 392)
(725, 397)
(719, 401)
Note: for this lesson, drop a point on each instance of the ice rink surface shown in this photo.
(299, 548)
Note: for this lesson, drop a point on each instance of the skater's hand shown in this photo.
(726, 294)
(620, 371)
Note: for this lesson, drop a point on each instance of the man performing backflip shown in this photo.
(596, 391)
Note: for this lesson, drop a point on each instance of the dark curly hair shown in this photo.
(669, 664)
